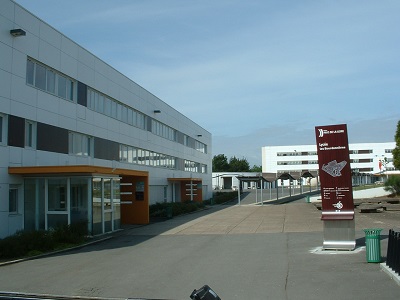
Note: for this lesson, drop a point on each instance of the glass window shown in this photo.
(134, 155)
(30, 68)
(1, 129)
(124, 112)
(141, 157)
(130, 154)
(119, 112)
(130, 117)
(96, 206)
(70, 90)
(34, 204)
(57, 194)
(62, 86)
(100, 103)
(30, 133)
(79, 144)
(107, 106)
(134, 118)
(13, 201)
(123, 154)
(40, 77)
(116, 204)
(79, 199)
(114, 109)
(51, 81)
(107, 194)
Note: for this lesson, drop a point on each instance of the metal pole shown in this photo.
(256, 193)
(270, 190)
(277, 189)
(262, 201)
(239, 195)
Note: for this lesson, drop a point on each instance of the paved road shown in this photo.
(242, 252)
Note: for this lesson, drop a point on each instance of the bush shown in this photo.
(178, 208)
(223, 197)
(392, 184)
(28, 243)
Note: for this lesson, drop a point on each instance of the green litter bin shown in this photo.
(373, 245)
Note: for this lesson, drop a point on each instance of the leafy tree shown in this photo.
(393, 185)
(396, 151)
(256, 169)
(220, 163)
(238, 165)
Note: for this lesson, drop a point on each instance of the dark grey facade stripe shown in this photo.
(16, 131)
(105, 149)
(52, 138)
(82, 94)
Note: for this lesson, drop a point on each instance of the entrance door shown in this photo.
(105, 205)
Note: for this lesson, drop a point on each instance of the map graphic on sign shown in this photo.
(333, 168)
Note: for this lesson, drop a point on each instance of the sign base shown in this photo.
(339, 235)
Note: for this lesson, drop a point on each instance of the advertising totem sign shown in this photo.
(336, 187)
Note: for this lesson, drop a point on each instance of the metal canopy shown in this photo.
(271, 177)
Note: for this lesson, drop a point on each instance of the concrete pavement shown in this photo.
(242, 252)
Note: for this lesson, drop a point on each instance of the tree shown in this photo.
(220, 163)
(257, 169)
(238, 165)
(393, 185)
(396, 151)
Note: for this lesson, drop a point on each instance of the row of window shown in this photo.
(163, 130)
(315, 162)
(295, 153)
(26, 133)
(297, 162)
(145, 157)
(49, 80)
(105, 105)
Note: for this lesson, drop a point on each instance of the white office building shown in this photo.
(81, 141)
(366, 159)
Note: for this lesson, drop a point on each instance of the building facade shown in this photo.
(366, 159)
(80, 141)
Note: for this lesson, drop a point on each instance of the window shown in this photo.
(80, 144)
(2, 129)
(49, 80)
(13, 201)
(30, 134)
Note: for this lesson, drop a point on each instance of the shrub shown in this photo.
(223, 197)
(28, 243)
(178, 208)
(392, 184)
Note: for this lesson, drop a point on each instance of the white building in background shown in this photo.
(79, 141)
(229, 180)
(365, 158)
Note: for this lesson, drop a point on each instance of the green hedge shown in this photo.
(165, 210)
(29, 243)
(223, 197)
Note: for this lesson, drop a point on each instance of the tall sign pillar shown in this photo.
(336, 187)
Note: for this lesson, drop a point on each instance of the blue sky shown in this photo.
(253, 73)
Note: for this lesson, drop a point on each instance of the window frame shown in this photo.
(86, 144)
(30, 134)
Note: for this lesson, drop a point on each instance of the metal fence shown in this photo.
(393, 251)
